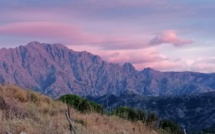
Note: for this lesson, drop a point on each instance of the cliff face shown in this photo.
(53, 69)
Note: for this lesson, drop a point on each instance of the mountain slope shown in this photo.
(24, 111)
(55, 70)
(194, 112)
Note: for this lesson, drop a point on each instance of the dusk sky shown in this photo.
(167, 35)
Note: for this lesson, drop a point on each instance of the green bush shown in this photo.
(129, 114)
(170, 126)
(151, 117)
(81, 104)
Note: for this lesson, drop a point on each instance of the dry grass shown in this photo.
(41, 115)
(102, 124)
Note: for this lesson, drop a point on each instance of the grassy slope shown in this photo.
(30, 112)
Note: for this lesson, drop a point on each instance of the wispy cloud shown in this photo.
(56, 31)
(169, 37)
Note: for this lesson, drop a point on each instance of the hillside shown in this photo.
(194, 112)
(54, 70)
(33, 113)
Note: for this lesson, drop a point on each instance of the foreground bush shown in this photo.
(81, 104)
(170, 126)
(129, 114)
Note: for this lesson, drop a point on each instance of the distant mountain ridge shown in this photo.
(54, 70)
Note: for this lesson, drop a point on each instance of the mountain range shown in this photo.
(54, 70)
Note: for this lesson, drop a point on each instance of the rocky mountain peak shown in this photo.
(128, 67)
(148, 69)
(37, 45)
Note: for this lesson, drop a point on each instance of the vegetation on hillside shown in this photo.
(149, 119)
(33, 113)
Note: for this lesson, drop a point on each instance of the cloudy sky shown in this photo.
(167, 35)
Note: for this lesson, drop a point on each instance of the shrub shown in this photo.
(81, 104)
(151, 117)
(170, 126)
(152, 120)
(129, 114)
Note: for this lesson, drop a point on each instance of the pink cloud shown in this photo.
(141, 58)
(147, 57)
(150, 57)
(54, 30)
(169, 37)
(70, 34)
